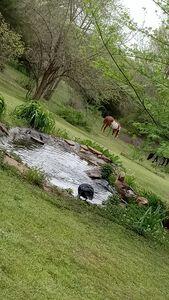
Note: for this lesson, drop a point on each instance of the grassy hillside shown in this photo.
(54, 248)
(14, 95)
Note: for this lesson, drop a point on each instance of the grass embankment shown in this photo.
(53, 248)
(57, 248)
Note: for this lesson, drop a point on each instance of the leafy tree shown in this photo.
(62, 44)
(11, 45)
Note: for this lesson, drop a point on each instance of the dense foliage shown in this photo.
(11, 45)
(74, 117)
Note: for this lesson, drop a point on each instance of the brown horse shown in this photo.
(112, 123)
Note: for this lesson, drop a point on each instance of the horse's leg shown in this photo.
(109, 131)
(105, 126)
(102, 127)
(116, 133)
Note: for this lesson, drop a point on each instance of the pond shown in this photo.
(63, 167)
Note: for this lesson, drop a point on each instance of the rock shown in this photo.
(70, 143)
(104, 183)
(3, 129)
(94, 173)
(94, 151)
(12, 162)
(123, 205)
(83, 150)
(89, 157)
(84, 147)
(92, 162)
(106, 159)
(40, 141)
(141, 201)
(86, 191)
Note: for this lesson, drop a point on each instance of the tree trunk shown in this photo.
(40, 88)
(47, 79)
(51, 89)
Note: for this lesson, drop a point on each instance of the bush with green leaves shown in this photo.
(74, 117)
(35, 176)
(36, 116)
(19, 66)
(112, 179)
(2, 105)
(106, 171)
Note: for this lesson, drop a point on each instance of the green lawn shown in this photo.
(60, 249)
(53, 249)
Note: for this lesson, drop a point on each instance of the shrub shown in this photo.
(11, 43)
(36, 116)
(73, 116)
(2, 105)
(19, 66)
(106, 171)
(146, 220)
(112, 179)
(35, 176)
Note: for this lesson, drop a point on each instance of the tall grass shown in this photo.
(145, 220)
(35, 176)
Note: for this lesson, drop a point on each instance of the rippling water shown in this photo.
(63, 168)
